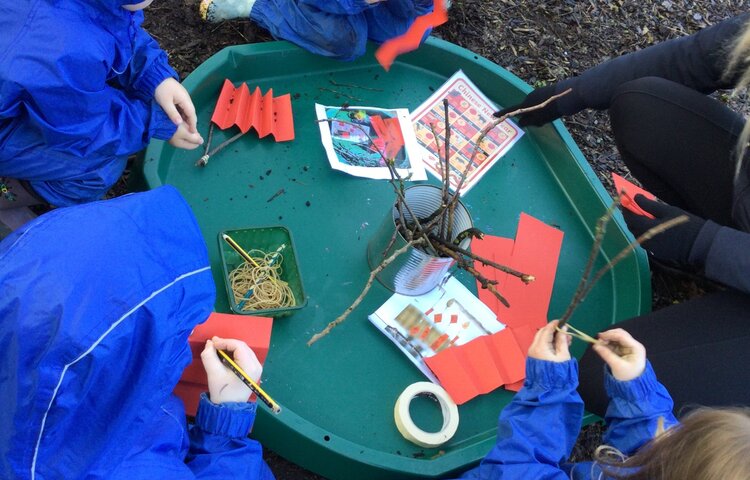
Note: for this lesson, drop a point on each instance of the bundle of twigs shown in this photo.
(434, 234)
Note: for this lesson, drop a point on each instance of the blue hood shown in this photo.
(96, 303)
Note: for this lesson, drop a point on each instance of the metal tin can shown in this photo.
(415, 272)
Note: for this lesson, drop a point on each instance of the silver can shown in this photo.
(415, 272)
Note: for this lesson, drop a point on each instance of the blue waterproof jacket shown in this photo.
(537, 431)
(96, 304)
(77, 80)
(337, 28)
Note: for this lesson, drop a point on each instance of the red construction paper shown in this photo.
(536, 252)
(497, 249)
(627, 192)
(410, 40)
(490, 361)
(266, 114)
(514, 387)
(255, 331)
(479, 366)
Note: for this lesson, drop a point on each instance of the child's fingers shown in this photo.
(562, 341)
(242, 354)
(211, 362)
(188, 112)
(544, 334)
(622, 337)
(609, 357)
(171, 110)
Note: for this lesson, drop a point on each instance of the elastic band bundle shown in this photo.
(258, 286)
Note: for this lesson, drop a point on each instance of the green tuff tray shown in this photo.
(338, 395)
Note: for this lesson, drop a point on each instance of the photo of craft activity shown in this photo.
(387, 239)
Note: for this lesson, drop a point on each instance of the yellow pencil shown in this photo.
(238, 249)
(243, 253)
(248, 381)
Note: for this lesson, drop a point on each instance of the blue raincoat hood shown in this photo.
(96, 304)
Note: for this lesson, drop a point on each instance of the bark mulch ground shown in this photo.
(541, 42)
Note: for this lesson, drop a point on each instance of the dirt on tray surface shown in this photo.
(540, 42)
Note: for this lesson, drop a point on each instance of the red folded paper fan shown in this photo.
(265, 113)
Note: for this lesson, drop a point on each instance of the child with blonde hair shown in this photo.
(537, 430)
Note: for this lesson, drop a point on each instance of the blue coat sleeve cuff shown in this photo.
(546, 375)
(157, 72)
(161, 126)
(632, 390)
(228, 419)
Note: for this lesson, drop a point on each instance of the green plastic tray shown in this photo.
(266, 239)
(338, 395)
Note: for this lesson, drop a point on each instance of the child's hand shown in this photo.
(548, 346)
(223, 385)
(631, 361)
(183, 138)
(176, 103)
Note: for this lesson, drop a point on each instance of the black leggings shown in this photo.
(680, 145)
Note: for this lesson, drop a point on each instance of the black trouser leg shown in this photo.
(679, 144)
(699, 350)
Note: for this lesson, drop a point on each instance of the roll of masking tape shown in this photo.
(406, 425)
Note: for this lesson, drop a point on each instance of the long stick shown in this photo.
(366, 289)
(394, 177)
(494, 124)
(525, 277)
(599, 231)
(485, 282)
(648, 234)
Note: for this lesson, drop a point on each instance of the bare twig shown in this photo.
(201, 162)
(647, 235)
(525, 278)
(483, 281)
(494, 124)
(366, 289)
(352, 97)
(351, 85)
(599, 231)
(446, 188)
(588, 283)
(395, 180)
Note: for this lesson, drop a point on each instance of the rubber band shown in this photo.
(259, 286)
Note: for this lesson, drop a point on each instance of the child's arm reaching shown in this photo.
(637, 399)
(219, 445)
(150, 77)
(537, 431)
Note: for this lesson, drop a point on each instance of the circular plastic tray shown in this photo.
(338, 395)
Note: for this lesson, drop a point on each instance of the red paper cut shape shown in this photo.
(627, 192)
(490, 361)
(255, 331)
(266, 114)
(410, 40)
(389, 132)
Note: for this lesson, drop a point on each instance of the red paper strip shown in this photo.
(627, 192)
(497, 249)
(266, 114)
(411, 40)
(535, 252)
(255, 331)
